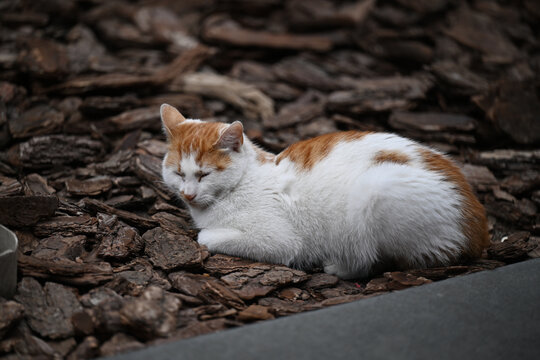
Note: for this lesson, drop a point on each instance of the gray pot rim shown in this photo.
(8, 262)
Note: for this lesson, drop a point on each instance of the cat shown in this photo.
(346, 202)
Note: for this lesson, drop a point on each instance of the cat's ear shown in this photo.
(232, 138)
(171, 118)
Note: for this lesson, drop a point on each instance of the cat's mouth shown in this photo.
(191, 202)
(196, 203)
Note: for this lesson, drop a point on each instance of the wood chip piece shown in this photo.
(142, 118)
(209, 289)
(49, 308)
(10, 313)
(26, 210)
(254, 313)
(151, 315)
(515, 248)
(432, 122)
(224, 30)
(321, 280)
(119, 343)
(89, 187)
(259, 281)
(169, 251)
(117, 240)
(380, 94)
(39, 120)
(67, 226)
(47, 151)
(187, 61)
(58, 246)
(65, 271)
(480, 177)
(480, 32)
(253, 103)
(130, 218)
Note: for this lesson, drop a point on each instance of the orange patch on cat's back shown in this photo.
(305, 154)
(264, 157)
(390, 156)
(199, 138)
(475, 226)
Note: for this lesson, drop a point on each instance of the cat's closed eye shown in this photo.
(181, 174)
(201, 174)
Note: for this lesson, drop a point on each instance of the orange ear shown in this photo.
(170, 118)
(232, 138)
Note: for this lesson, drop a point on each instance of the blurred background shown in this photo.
(81, 83)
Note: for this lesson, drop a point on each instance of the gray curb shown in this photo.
(488, 315)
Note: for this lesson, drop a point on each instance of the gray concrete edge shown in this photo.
(487, 315)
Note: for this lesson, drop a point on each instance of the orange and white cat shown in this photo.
(347, 201)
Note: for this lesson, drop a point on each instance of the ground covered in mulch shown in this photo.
(108, 262)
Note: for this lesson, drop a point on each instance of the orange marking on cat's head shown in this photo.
(205, 139)
(172, 159)
(199, 138)
(390, 156)
(475, 225)
(305, 154)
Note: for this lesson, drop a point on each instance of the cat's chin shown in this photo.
(199, 205)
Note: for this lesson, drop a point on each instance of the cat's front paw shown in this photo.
(208, 239)
(219, 240)
(340, 271)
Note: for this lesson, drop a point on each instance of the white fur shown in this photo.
(346, 214)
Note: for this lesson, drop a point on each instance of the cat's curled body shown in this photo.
(346, 201)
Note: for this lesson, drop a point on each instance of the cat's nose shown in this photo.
(189, 197)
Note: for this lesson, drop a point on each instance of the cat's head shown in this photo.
(204, 159)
